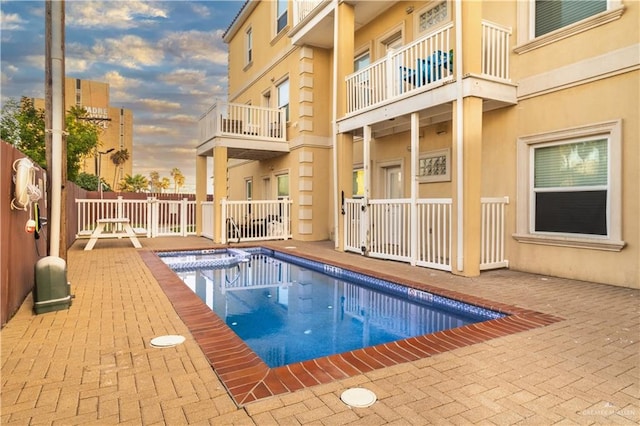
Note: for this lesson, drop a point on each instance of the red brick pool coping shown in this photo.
(247, 378)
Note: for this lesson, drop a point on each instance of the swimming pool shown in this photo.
(247, 378)
(289, 309)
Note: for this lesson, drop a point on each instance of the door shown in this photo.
(393, 190)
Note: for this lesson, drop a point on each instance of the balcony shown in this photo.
(416, 77)
(248, 132)
(313, 20)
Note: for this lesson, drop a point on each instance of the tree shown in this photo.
(178, 179)
(154, 181)
(23, 127)
(137, 183)
(90, 182)
(165, 183)
(118, 158)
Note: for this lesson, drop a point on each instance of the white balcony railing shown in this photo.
(420, 64)
(424, 64)
(240, 120)
(302, 8)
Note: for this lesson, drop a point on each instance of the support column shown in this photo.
(201, 189)
(415, 148)
(345, 179)
(467, 149)
(472, 187)
(343, 42)
(219, 189)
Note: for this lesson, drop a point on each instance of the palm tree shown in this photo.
(154, 181)
(165, 183)
(178, 179)
(118, 158)
(137, 183)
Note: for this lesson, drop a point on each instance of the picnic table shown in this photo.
(114, 232)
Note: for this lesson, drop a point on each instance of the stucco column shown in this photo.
(219, 189)
(201, 189)
(472, 188)
(343, 143)
(467, 149)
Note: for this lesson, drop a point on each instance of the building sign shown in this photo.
(100, 116)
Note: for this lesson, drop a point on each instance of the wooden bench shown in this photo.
(99, 233)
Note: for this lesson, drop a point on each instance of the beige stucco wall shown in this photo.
(581, 105)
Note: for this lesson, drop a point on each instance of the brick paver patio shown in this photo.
(93, 363)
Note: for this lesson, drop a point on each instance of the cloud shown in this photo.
(205, 46)
(158, 105)
(129, 51)
(11, 22)
(119, 15)
(151, 130)
(182, 77)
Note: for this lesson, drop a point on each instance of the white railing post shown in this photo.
(183, 217)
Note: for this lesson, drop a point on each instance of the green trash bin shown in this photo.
(52, 291)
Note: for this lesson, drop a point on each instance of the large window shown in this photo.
(281, 15)
(569, 192)
(570, 187)
(283, 97)
(551, 15)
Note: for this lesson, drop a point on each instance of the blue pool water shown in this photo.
(289, 309)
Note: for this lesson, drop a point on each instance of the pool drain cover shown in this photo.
(358, 397)
(166, 341)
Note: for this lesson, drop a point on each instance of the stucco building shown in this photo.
(457, 135)
(116, 127)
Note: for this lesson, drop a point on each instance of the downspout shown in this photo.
(57, 114)
(334, 129)
(459, 140)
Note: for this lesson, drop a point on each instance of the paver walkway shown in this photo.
(93, 363)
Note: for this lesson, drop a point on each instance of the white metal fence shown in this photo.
(382, 229)
(151, 217)
(256, 220)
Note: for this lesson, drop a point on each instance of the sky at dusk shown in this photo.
(163, 60)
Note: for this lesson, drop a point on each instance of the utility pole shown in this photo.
(55, 140)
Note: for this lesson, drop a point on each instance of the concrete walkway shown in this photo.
(93, 363)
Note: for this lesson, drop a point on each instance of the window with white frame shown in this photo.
(281, 15)
(283, 186)
(570, 193)
(433, 15)
(248, 186)
(551, 15)
(283, 97)
(249, 46)
(541, 22)
(434, 166)
(361, 61)
(358, 183)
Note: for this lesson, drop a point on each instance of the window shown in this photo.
(571, 192)
(249, 46)
(361, 61)
(281, 15)
(434, 166)
(358, 183)
(283, 186)
(541, 22)
(248, 185)
(283, 97)
(553, 14)
(432, 16)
